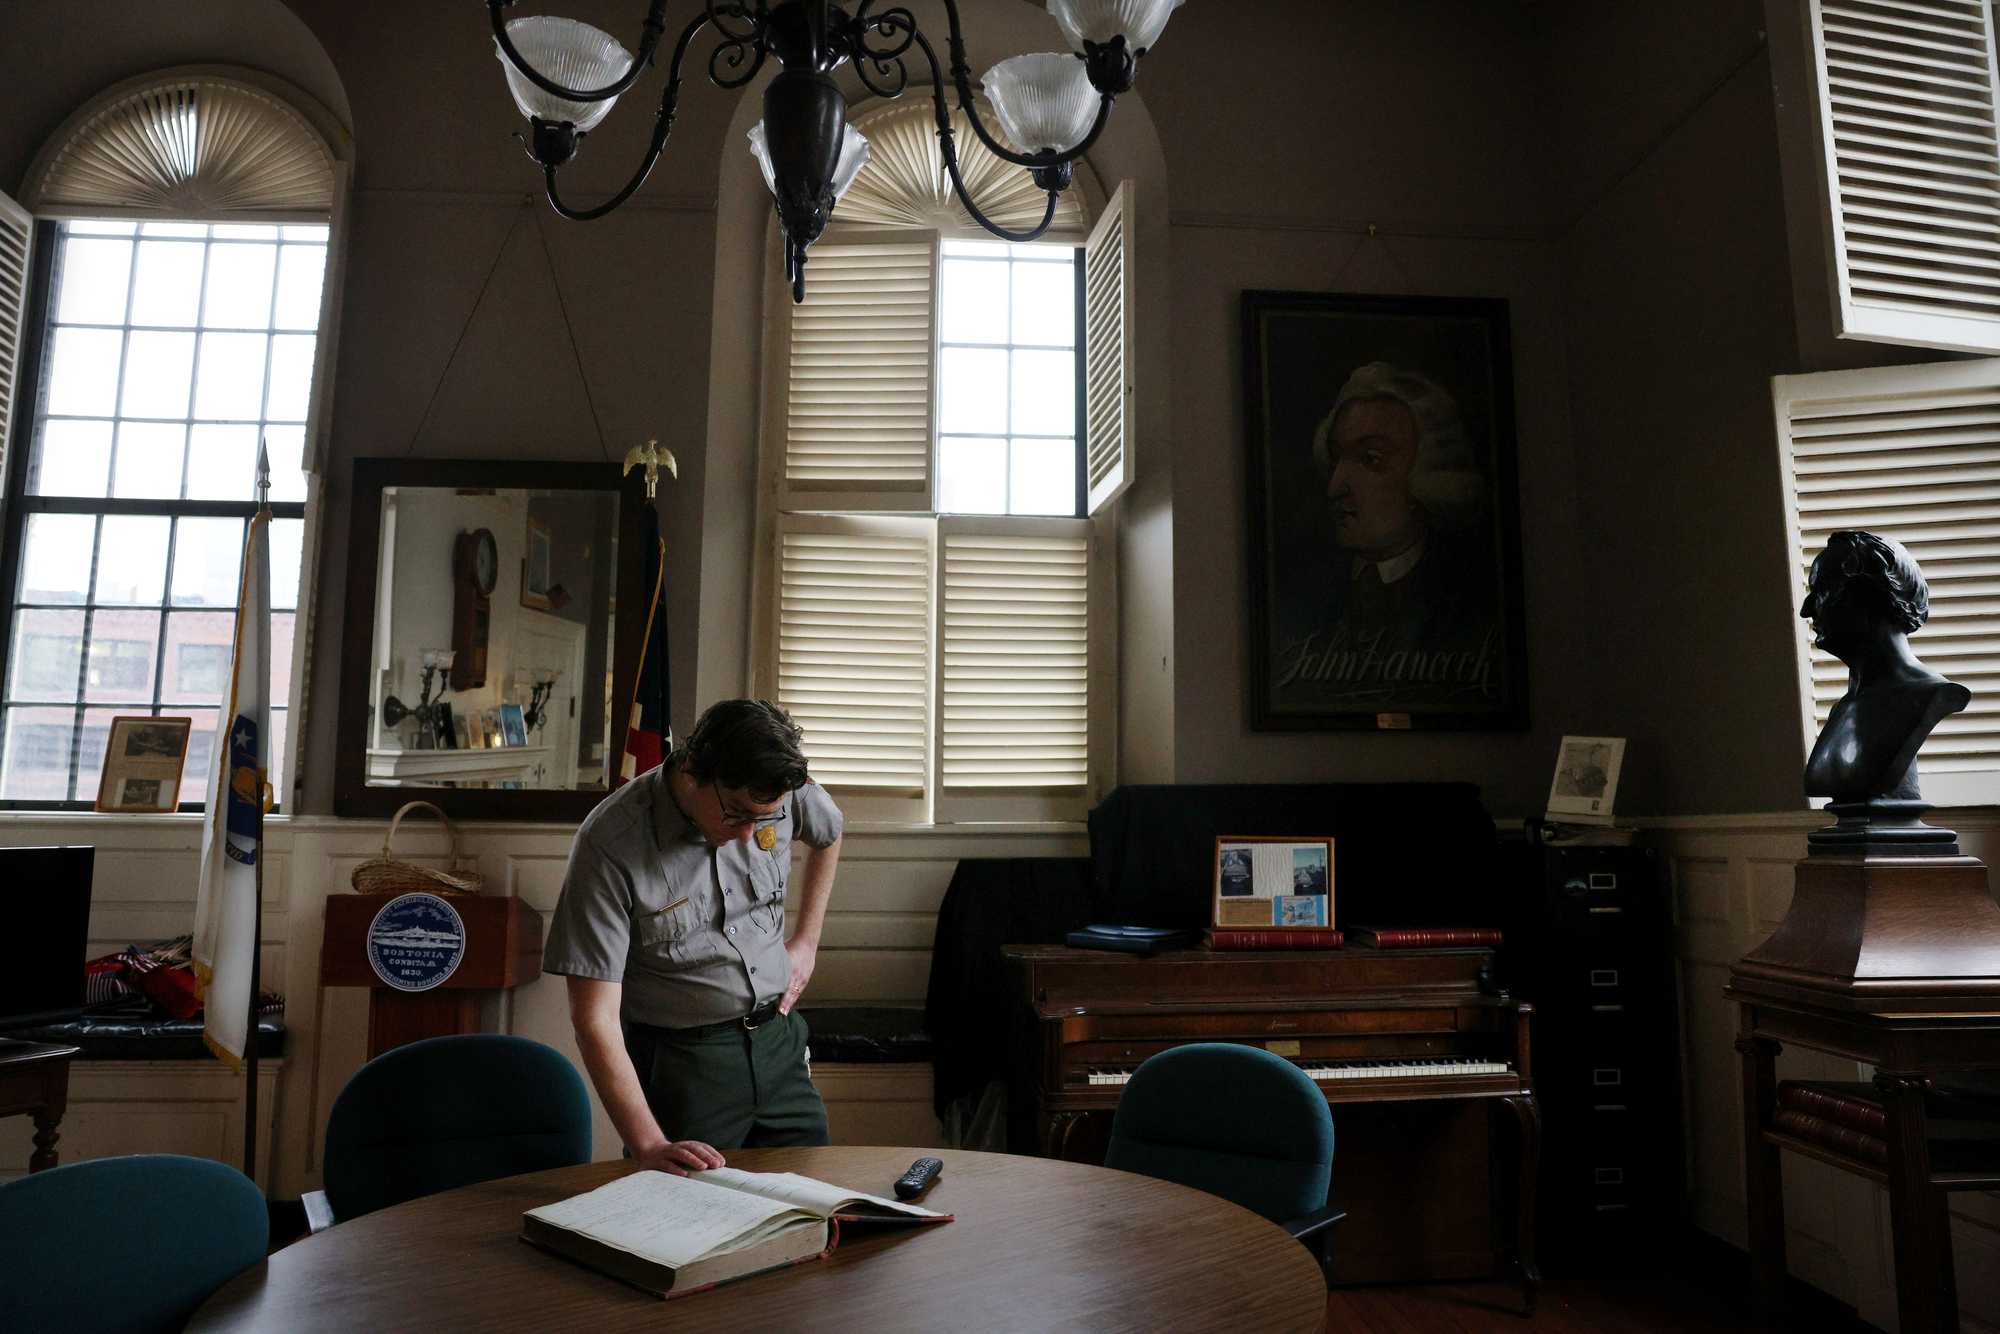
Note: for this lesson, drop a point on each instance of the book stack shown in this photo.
(1275, 938)
(1848, 1118)
(1426, 937)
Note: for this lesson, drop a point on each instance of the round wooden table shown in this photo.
(1037, 1244)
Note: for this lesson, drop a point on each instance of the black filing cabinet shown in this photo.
(1590, 943)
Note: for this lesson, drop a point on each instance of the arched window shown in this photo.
(173, 313)
(938, 591)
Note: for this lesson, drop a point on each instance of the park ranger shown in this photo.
(671, 930)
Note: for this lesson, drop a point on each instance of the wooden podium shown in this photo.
(503, 948)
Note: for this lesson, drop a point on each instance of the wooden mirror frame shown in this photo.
(352, 796)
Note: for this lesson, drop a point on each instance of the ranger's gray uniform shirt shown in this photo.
(695, 933)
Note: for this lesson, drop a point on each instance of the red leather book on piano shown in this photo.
(1288, 938)
(1424, 937)
(1818, 1100)
(1831, 1134)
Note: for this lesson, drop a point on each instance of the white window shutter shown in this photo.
(17, 234)
(1909, 127)
(1107, 335)
(1910, 453)
(856, 374)
(1013, 678)
(853, 648)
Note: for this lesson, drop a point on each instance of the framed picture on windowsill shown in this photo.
(1271, 882)
(536, 567)
(143, 758)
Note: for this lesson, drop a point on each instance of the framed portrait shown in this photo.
(143, 758)
(1273, 882)
(537, 565)
(1385, 553)
(1585, 788)
(513, 725)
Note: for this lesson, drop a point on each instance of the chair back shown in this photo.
(1234, 1121)
(124, 1244)
(448, 1112)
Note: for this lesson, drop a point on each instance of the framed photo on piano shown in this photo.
(1273, 883)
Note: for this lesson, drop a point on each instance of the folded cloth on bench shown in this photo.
(121, 1038)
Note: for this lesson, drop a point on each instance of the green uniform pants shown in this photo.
(729, 1086)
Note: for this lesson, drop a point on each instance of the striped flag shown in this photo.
(650, 733)
(225, 915)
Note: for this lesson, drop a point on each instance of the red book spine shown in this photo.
(1831, 1134)
(1433, 937)
(1865, 1116)
(1240, 938)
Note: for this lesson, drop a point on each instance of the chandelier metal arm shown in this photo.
(663, 126)
(649, 41)
(949, 151)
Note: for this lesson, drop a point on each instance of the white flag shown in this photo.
(225, 914)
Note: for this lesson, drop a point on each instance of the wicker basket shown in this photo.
(388, 875)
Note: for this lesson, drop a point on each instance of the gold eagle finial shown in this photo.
(653, 458)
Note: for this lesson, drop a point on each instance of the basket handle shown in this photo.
(450, 831)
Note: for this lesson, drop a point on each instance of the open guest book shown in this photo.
(675, 1235)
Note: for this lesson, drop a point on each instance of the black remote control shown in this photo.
(918, 1179)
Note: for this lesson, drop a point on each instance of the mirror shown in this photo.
(482, 634)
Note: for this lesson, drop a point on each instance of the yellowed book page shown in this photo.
(815, 1197)
(668, 1219)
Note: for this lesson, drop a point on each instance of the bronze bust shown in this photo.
(1865, 598)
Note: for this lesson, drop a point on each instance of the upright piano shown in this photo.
(1425, 1061)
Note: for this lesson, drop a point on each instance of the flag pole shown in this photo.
(257, 912)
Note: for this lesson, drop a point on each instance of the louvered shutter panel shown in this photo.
(1908, 132)
(853, 647)
(1013, 680)
(1910, 453)
(17, 231)
(1107, 338)
(858, 374)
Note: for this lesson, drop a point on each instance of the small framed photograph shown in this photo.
(1278, 882)
(537, 574)
(142, 764)
(1586, 781)
(513, 725)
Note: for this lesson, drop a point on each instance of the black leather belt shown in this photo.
(760, 1016)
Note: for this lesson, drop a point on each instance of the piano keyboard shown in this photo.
(1420, 1067)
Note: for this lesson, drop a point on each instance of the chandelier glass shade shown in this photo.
(566, 75)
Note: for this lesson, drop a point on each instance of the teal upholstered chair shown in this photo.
(449, 1112)
(124, 1244)
(1237, 1122)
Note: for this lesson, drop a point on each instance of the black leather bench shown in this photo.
(867, 1034)
(122, 1038)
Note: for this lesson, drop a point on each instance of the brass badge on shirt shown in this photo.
(767, 837)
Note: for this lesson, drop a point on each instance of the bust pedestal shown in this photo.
(1893, 962)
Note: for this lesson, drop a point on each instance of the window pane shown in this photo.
(99, 227)
(300, 269)
(232, 376)
(238, 231)
(83, 372)
(973, 306)
(287, 543)
(1042, 477)
(35, 766)
(90, 751)
(972, 476)
(174, 229)
(281, 656)
(983, 249)
(281, 720)
(148, 464)
(95, 274)
(291, 377)
(200, 753)
(208, 556)
(286, 447)
(167, 288)
(46, 657)
(199, 645)
(238, 294)
(56, 563)
(973, 392)
(157, 369)
(222, 462)
(132, 558)
(123, 647)
(1045, 304)
(306, 232)
(72, 459)
(1044, 392)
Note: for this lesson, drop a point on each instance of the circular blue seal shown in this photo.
(416, 942)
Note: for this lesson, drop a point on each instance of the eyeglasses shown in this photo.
(733, 818)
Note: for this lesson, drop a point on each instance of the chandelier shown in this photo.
(565, 75)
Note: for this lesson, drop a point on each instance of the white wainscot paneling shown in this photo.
(1733, 885)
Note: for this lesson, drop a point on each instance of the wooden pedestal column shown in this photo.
(503, 948)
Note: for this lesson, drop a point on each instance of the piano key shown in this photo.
(1322, 1071)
